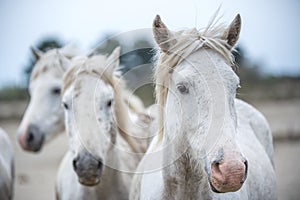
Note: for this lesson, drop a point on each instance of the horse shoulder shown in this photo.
(261, 175)
(258, 124)
(65, 178)
(147, 183)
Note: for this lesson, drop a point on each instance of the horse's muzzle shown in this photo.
(32, 139)
(228, 176)
(88, 169)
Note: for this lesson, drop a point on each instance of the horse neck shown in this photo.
(185, 178)
(121, 114)
(113, 173)
(112, 176)
(123, 120)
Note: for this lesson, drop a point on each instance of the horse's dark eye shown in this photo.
(109, 103)
(182, 88)
(56, 91)
(65, 105)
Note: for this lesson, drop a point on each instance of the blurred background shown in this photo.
(267, 56)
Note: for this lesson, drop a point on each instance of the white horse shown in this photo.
(208, 147)
(44, 117)
(6, 167)
(101, 154)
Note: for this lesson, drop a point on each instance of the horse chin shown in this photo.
(89, 183)
(222, 190)
(213, 188)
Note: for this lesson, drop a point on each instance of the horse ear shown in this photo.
(113, 60)
(161, 34)
(64, 61)
(36, 53)
(234, 31)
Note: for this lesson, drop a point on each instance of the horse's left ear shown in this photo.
(113, 60)
(234, 30)
(161, 34)
(36, 53)
(64, 61)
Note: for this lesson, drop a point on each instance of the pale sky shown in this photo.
(270, 28)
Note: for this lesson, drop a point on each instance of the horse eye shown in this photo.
(109, 103)
(56, 91)
(182, 89)
(65, 105)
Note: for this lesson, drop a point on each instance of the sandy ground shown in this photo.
(36, 173)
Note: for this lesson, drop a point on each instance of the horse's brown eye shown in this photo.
(182, 88)
(56, 91)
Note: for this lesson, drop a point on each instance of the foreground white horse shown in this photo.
(206, 148)
(6, 167)
(102, 155)
(44, 117)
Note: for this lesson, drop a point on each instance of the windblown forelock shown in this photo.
(48, 62)
(95, 66)
(186, 42)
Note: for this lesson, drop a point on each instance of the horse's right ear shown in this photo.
(64, 61)
(161, 34)
(36, 53)
(113, 60)
(234, 31)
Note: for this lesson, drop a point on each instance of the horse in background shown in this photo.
(44, 118)
(6, 167)
(103, 149)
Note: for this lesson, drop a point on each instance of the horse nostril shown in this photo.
(75, 164)
(246, 170)
(216, 167)
(30, 137)
(100, 165)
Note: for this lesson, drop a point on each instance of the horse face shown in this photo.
(43, 117)
(200, 113)
(88, 107)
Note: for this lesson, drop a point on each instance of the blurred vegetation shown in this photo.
(256, 86)
(10, 93)
(134, 54)
(140, 51)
